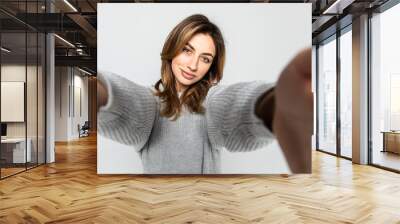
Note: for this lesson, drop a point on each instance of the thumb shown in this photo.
(302, 63)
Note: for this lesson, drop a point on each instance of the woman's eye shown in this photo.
(186, 50)
(206, 60)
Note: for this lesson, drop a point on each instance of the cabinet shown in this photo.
(391, 141)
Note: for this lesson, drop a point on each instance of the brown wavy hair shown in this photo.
(193, 96)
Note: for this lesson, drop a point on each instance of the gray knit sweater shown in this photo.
(192, 143)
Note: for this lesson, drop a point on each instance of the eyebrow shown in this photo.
(191, 47)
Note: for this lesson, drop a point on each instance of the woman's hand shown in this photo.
(287, 110)
(293, 116)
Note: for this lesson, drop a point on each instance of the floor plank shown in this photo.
(70, 191)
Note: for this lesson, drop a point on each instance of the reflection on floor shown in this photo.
(387, 159)
(70, 191)
(10, 169)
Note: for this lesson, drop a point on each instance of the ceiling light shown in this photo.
(337, 7)
(5, 50)
(84, 71)
(70, 5)
(64, 40)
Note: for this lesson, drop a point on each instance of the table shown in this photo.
(16, 147)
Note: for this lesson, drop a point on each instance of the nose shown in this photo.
(193, 64)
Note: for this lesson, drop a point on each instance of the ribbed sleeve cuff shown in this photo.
(232, 121)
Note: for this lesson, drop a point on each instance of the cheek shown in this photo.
(203, 69)
(180, 60)
(175, 64)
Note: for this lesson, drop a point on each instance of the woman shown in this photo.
(181, 126)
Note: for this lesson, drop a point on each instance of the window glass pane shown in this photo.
(385, 86)
(327, 97)
(346, 94)
(314, 81)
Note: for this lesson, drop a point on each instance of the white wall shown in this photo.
(260, 40)
(81, 82)
(68, 83)
(79, 117)
(61, 103)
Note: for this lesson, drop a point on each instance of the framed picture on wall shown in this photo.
(12, 101)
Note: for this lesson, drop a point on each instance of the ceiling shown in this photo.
(76, 22)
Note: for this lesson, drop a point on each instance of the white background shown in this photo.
(260, 40)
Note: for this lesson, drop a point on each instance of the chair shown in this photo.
(84, 130)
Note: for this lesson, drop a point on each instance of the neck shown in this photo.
(179, 87)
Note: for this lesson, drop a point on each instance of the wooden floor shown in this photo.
(70, 191)
(5, 172)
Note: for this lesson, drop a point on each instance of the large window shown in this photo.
(334, 59)
(385, 89)
(327, 96)
(345, 41)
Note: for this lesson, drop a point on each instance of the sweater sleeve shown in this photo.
(129, 114)
(231, 119)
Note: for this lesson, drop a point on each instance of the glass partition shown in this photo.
(32, 84)
(22, 63)
(41, 96)
(32, 95)
(13, 109)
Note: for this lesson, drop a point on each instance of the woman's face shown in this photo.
(194, 60)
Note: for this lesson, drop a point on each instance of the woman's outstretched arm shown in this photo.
(288, 111)
(126, 110)
(231, 119)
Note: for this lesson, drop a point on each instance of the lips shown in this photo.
(187, 75)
